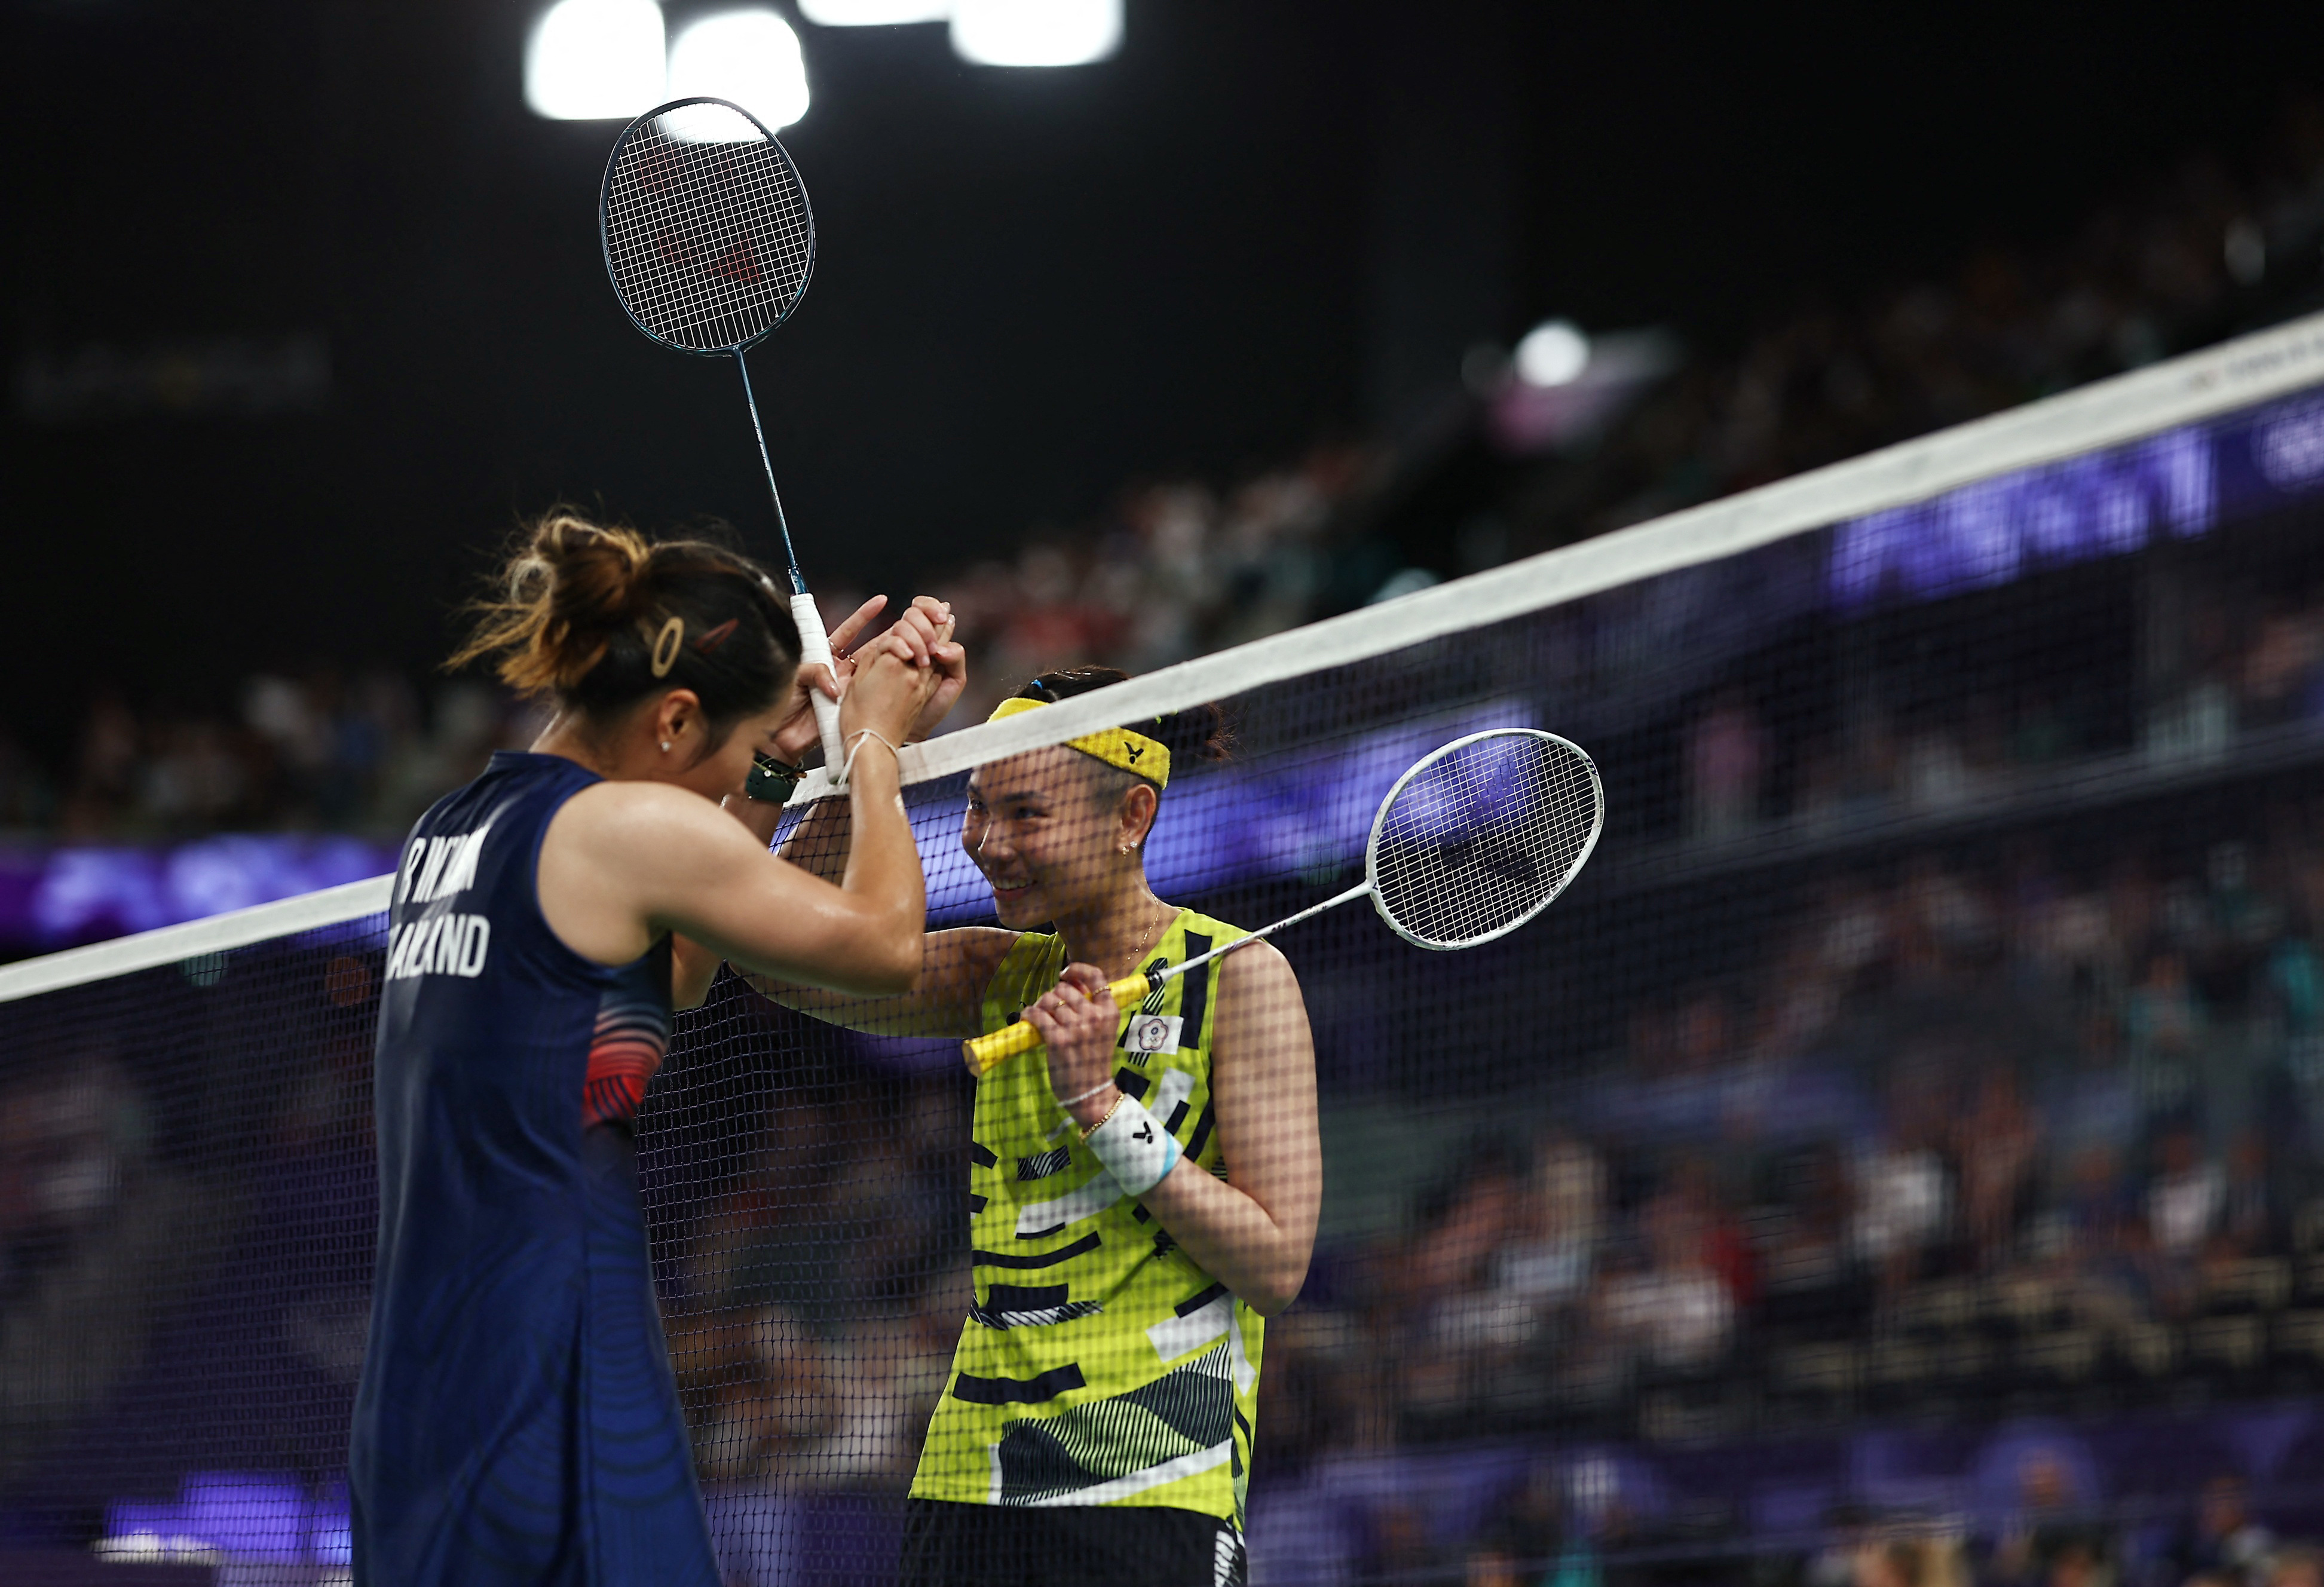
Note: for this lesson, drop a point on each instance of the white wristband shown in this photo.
(1134, 1147)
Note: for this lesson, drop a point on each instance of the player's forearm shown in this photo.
(878, 1016)
(1232, 1237)
(884, 881)
(945, 1001)
(692, 968)
(819, 843)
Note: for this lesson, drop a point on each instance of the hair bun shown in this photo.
(581, 606)
(591, 580)
(1198, 732)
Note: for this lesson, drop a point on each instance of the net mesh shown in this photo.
(1908, 1130)
(707, 231)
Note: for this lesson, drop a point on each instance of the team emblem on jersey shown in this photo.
(1152, 1033)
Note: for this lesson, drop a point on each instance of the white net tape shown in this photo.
(2219, 380)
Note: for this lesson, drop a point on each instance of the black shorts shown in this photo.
(948, 1545)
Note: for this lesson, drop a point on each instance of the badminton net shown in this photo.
(1935, 1040)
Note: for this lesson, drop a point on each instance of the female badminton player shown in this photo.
(1140, 1201)
(518, 1421)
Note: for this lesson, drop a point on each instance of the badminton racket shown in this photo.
(1472, 842)
(709, 241)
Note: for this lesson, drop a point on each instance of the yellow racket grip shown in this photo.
(985, 1053)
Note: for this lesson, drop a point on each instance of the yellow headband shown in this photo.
(1133, 753)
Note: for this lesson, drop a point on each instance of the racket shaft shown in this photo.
(985, 1053)
(815, 650)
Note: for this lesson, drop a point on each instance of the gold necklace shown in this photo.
(1152, 937)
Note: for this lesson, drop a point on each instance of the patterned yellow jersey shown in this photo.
(1099, 1365)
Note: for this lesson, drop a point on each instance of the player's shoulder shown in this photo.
(637, 817)
(1257, 967)
(630, 795)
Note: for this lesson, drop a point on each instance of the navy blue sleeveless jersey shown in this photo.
(516, 1422)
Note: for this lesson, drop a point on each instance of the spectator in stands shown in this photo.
(1903, 1198)
(95, 1229)
(2185, 1203)
(1912, 1560)
(1998, 1144)
(2222, 1540)
(2297, 1567)
(2052, 1540)
(1547, 1258)
(1727, 757)
(1522, 1540)
(1673, 1311)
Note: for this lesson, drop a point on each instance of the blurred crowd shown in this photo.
(1971, 1139)
(1175, 571)
(813, 1309)
(94, 1232)
(2206, 250)
(318, 752)
(1177, 568)
(2236, 669)
(1969, 1134)
(1975, 1140)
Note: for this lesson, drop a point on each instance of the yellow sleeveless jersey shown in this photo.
(1098, 1365)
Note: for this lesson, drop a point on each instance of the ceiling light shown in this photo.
(750, 57)
(594, 61)
(1035, 33)
(1553, 354)
(873, 13)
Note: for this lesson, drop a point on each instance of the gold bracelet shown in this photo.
(1119, 1097)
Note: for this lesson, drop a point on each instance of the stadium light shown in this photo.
(595, 61)
(873, 13)
(1035, 33)
(750, 57)
(1554, 353)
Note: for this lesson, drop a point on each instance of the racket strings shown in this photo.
(710, 242)
(1479, 838)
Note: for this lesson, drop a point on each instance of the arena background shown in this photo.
(1907, 1136)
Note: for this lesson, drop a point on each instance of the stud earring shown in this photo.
(665, 746)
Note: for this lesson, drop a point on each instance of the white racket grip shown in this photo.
(815, 650)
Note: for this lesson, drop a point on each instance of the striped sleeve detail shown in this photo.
(1008, 1306)
(1194, 1003)
(1045, 1259)
(1031, 1390)
(631, 1039)
(1045, 1163)
(1202, 1135)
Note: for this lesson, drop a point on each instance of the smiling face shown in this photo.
(1047, 836)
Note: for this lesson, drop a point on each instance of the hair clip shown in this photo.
(665, 646)
(717, 636)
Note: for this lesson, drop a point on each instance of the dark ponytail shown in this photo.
(1197, 733)
(598, 618)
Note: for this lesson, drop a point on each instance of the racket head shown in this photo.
(1481, 835)
(706, 227)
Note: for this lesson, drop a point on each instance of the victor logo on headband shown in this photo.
(1133, 753)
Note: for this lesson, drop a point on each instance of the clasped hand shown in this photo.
(1080, 1022)
(921, 638)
